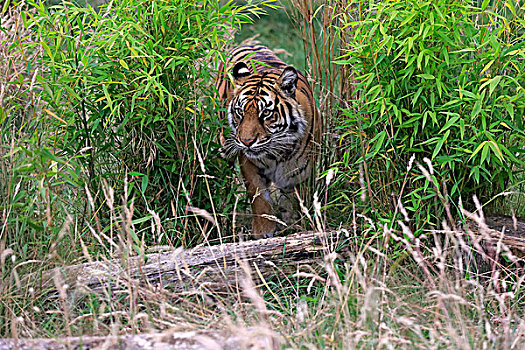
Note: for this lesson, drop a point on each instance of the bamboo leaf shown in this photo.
(426, 76)
(476, 109)
(440, 144)
(6, 6)
(476, 151)
(487, 66)
(494, 146)
(451, 122)
(493, 83)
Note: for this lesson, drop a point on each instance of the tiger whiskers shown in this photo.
(231, 147)
(274, 148)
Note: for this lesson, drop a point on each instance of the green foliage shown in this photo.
(441, 80)
(103, 112)
(127, 89)
(27, 199)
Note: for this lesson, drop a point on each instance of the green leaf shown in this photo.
(416, 96)
(379, 139)
(144, 184)
(440, 144)
(108, 96)
(484, 153)
(6, 6)
(426, 76)
(475, 171)
(445, 56)
(493, 83)
(451, 122)
(123, 64)
(487, 66)
(141, 220)
(476, 109)
(509, 107)
(510, 5)
(480, 146)
(419, 59)
(47, 50)
(494, 146)
(468, 93)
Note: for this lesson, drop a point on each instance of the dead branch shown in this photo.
(215, 268)
(189, 340)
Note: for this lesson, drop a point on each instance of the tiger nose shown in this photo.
(248, 142)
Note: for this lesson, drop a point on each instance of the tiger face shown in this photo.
(265, 118)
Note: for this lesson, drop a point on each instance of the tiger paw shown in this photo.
(263, 228)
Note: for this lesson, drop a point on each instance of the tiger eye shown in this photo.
(266, 113)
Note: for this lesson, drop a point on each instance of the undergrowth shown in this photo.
(443, 82)
(109, 148)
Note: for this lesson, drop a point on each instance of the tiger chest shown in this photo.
(285, 174)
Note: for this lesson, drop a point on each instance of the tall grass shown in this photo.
(108, 137)
(442, 292)
(102, 110)
(439, 81)
(433, 81)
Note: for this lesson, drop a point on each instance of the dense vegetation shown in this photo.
(109, 146)
(441, 81)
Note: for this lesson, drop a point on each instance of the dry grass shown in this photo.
(16, 86)
(377, 288)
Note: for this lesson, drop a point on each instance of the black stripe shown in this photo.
(299, 170)
(304, 91)
(282, 111)
(291, 151)
(238, 53)
(308, 139)
(290, 111)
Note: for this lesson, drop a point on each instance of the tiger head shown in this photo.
(265, 118)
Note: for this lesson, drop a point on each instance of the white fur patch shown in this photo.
(289, 75)
(243, 71)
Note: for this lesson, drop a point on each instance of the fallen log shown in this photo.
(216, 268)
(497, 229)
(189, 340)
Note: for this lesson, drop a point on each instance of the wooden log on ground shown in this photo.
(189, 340)
(215, 268)
(495, 229)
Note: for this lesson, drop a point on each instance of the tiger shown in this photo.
(275, 127)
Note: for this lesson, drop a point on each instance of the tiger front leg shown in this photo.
(258, 193)
(287, 205)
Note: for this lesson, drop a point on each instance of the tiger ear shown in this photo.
(240, 72)
(288, 81)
